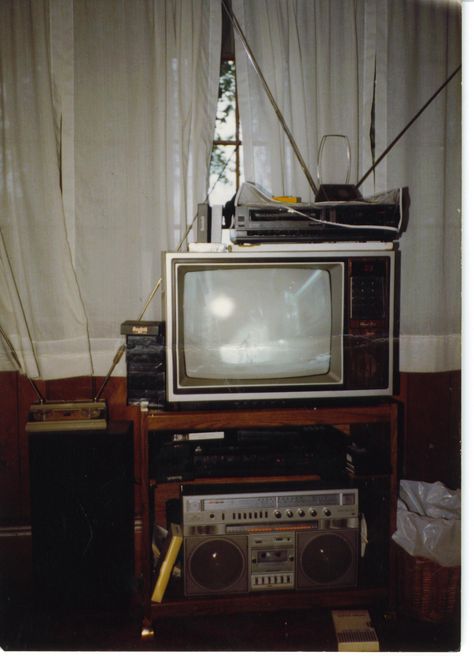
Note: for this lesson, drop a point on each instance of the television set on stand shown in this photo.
(284, 323)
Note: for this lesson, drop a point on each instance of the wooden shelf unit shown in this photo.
(174, 603)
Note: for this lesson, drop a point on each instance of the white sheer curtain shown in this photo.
(107, 118)
(321, 59)
(422, 47)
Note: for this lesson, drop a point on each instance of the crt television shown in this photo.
(254, 325)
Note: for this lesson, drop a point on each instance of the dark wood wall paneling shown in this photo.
(430, 437)
(10, 476)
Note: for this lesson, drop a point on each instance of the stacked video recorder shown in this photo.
(340, 213)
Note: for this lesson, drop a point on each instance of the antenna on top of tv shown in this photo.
(402, 132)
(269, 94)
(314, 187)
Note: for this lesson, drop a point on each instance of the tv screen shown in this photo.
(257, 322)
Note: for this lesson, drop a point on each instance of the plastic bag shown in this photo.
(429, 522)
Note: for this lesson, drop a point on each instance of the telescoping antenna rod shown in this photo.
(122, 348)
(270, 96)
(23, 313)
(16, 360)
(420, 111)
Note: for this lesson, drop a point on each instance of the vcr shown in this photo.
(309, 450)
(321, 222)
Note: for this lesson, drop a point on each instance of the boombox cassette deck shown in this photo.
(239, 542)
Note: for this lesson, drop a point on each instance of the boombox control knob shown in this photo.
(313, 512)
(277, 514)
(327, 512)
(289, 513)
(301, 513)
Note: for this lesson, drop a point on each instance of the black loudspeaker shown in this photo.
(82, 516)
(327, 558)
(215, 564)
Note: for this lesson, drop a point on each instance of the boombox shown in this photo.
(241, 542)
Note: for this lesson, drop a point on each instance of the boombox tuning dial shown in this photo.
(244, 508)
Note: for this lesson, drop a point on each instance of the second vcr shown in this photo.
(309, 450)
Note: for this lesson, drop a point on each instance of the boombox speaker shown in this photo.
(220, 564)
(327, 558)
(216, 564)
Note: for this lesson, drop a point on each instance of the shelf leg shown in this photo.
(148, 631)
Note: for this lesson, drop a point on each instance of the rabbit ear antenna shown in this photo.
(420, 111)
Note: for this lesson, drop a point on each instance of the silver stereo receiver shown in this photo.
(242, 542)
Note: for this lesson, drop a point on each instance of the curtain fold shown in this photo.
(106, 162)
(41, 289)
(363, 69)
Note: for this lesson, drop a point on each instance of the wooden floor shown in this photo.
(26, 626)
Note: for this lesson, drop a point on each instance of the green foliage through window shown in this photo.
(225, 166)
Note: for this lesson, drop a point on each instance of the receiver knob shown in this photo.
(327, 512)
(277, 514)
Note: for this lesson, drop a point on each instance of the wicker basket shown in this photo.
(426, 590)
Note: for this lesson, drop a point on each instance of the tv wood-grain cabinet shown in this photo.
(377, 504)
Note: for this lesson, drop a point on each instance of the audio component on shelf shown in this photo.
(145, 362)
(309, 450)
(367, 456)
(67, 415)
(240, 542)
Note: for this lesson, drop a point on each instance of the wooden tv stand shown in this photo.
(380, 488)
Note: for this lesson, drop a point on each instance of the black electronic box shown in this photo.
(145, 344)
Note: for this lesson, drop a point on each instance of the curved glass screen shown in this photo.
(256, 322)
